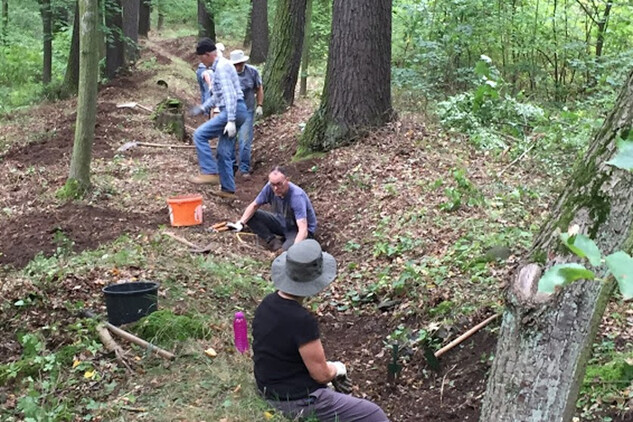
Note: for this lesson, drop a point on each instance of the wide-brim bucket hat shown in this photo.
(238, 56)
(304, 270)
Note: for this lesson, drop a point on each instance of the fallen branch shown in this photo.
(111, 345)
(139, 341)
(464, 336)
(516, 160)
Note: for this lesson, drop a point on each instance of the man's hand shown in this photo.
(259, 111)
(341, 381)
(237, 226)
(230, 130)
(196, 111)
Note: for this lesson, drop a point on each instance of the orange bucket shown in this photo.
(185, 210)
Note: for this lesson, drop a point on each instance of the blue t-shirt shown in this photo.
(250, 81)
(294, 206)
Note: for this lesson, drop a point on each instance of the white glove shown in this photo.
(340, 367)
(237, 226)
(230, 130)
(259, 111)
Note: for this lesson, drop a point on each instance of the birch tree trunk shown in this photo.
(79, 177)
(282, 65)
(357, 93)
(546, 340)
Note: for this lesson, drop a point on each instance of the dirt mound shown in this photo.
(85, 226)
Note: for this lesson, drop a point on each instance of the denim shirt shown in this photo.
(226, 89)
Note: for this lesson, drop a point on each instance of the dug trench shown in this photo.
(452, 392)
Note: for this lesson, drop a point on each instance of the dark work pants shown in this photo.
(265, 225)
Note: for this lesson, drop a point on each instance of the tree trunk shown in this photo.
(130, 29)
(545, 340)
(305, 54)
(79, 176)
(259, 31)
(206, 24)
(602, 27)
(161, 15)
(71, 77)
(145, 10)
(357, 92)
(282, 67)
(115, 48)
(248, 37)
(47, 35)
(5, 20)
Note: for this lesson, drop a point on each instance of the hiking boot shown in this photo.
(224, 194)
(275, 245)
(205, 179)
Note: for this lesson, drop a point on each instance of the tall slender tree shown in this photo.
(130, 29)
(282, 65)
(357, 92)
(71, 77)
(206, 22)
(47, 36)
(248, 36)
(79, 176)
(545, 340)
(115, 48)
(305, 54)
(259, 31)
(144, 18)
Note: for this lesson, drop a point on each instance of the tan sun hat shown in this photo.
(237, 56)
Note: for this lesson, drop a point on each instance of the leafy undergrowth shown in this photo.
(426, 229)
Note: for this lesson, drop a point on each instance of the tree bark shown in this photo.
(71, 77)
(602, 27)
(305, 54)
(47, 35)
(145, 10)
(282, 66)
(130, 29)
(206, 23)
(357, 92)
(545, 340)
(115, 48)
(259, 31)
(79, 176)
(248, 37)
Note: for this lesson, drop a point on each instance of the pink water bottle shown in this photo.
(240, 332)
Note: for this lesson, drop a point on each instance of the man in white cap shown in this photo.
(290, 368)
(253, 91)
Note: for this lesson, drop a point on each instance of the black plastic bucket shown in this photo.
(129, 302)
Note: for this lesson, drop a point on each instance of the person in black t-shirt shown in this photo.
(290, 366)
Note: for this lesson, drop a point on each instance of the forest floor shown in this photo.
(413, 216)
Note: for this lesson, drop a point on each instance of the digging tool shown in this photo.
(192, 246)
(134, 144)
(132, 338)
(467, 334)
(134, 105)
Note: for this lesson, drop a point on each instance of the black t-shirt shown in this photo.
(280, 326)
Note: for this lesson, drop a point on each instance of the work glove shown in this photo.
(237, 226)
(341, 381)
(196, 111)
(230, 130)
(259, 111)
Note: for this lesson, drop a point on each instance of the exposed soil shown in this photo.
(34, 222)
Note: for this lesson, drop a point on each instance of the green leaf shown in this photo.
(583, 247)
(621, 266)
(562, 274)
(624, 157)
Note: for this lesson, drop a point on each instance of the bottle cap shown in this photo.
(239, 315)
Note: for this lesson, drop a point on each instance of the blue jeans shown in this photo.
(245, 136)
(214, 128)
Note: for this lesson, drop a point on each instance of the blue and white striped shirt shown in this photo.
(226, 89)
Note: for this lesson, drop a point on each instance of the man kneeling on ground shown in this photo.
(290, 367)
(293, 216)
